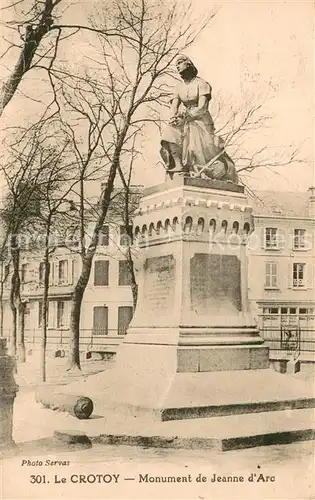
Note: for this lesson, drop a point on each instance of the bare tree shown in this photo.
(20, 207)
(33, 31)
(37, 183)
(32, 21)
(113, 104)
(238, 124)
(123, 208)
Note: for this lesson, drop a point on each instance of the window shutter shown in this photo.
(274, 274)
(263, 237)
(52, 270)
(66, 313)
(309, 238)
(101, 273)
(100, 320)
(125, 314)
(309, 278)
(291, 246)
(267, 274)
(68, 271)
(52, 312)
(281, 238)
(290, 274)
(71, 272)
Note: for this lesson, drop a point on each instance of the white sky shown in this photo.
(266, 49)
(262, 49)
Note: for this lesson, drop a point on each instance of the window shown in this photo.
(271, 276)
(299, 238)
(125, 238)
(72, 241)
(270, 316)
(100, 320)
(24, 269)
(124, 277)
(298, 275)
(63, 271)
(270, 310)
(41, 272)
(304, 310)
(274, 310)
(271, 237)
(125, 314)
(103, 239)
(60, 314)
(101, 268)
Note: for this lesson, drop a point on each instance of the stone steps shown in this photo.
(219, 433)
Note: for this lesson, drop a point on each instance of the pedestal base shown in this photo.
(219, 358)
(163, 382)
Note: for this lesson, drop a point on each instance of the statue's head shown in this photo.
(186, 67)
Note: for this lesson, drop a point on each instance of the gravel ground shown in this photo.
(123, 472)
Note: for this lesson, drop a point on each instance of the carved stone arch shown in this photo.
(175, 223)
(167, 225)
(235, 227)
(212, 226)
(246, 228)
(200, 225)
(159, 226)
(188, 224)
(224, 226)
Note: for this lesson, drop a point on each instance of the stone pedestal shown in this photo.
(8, 389)
(193, 314)
(193, 276)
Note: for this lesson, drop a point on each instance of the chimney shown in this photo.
(311, 201)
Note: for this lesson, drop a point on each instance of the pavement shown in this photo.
(289, 467)
(28, 373)
(111, 425)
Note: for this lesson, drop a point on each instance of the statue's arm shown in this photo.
(198, 111)
(175, 106)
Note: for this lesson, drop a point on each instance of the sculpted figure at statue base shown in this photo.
(188, 143)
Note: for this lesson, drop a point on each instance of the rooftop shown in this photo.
(280, 203)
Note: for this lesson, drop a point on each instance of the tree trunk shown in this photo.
(134, 284)
(87, 259)
(21, 331)
(45, 305)
(13, 336)
(74, 338)
(31, 41)
(78, 406)
(14, 292)
(1, 300)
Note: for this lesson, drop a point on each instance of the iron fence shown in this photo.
(59, 338)
(289, 334)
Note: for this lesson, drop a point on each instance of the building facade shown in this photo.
(282, 272)
(281, 284)
(107, 307)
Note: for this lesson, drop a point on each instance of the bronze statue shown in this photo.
(188, 143)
